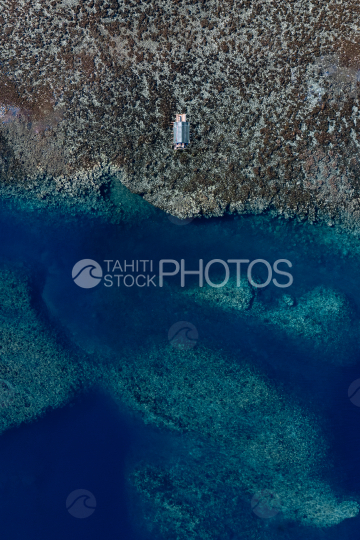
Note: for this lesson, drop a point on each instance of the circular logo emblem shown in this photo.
(178, 221)
(81, 503)
(266, 504)
(87, 273)
(179, 207)
(354, 392)
(183, 335)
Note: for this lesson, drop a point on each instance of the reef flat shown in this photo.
(270, 89)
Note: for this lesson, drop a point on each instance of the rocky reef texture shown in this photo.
(271, 92)
(233, 297)
(36, 372)
(322, 320)
(242, 436)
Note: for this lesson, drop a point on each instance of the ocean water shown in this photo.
(89, 443)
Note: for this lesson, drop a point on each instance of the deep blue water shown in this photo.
(83, 446)
(87, 445)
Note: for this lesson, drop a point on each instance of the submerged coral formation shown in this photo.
(322, 320)
(243, 436)
(232, 297)
(36, 371)
(322, 317)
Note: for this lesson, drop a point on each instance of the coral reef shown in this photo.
(96, 84)
(242, 435)
(231, 297)
(321, 320)
(36, 372)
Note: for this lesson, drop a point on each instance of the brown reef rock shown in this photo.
(270, 89)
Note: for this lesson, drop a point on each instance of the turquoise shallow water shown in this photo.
(90, 444)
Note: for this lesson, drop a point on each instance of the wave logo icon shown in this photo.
(354, 393)
(183, 335)
(81, 503)
(266, 504)
(87, 273)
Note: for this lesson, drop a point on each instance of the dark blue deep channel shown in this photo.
(89, 443)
